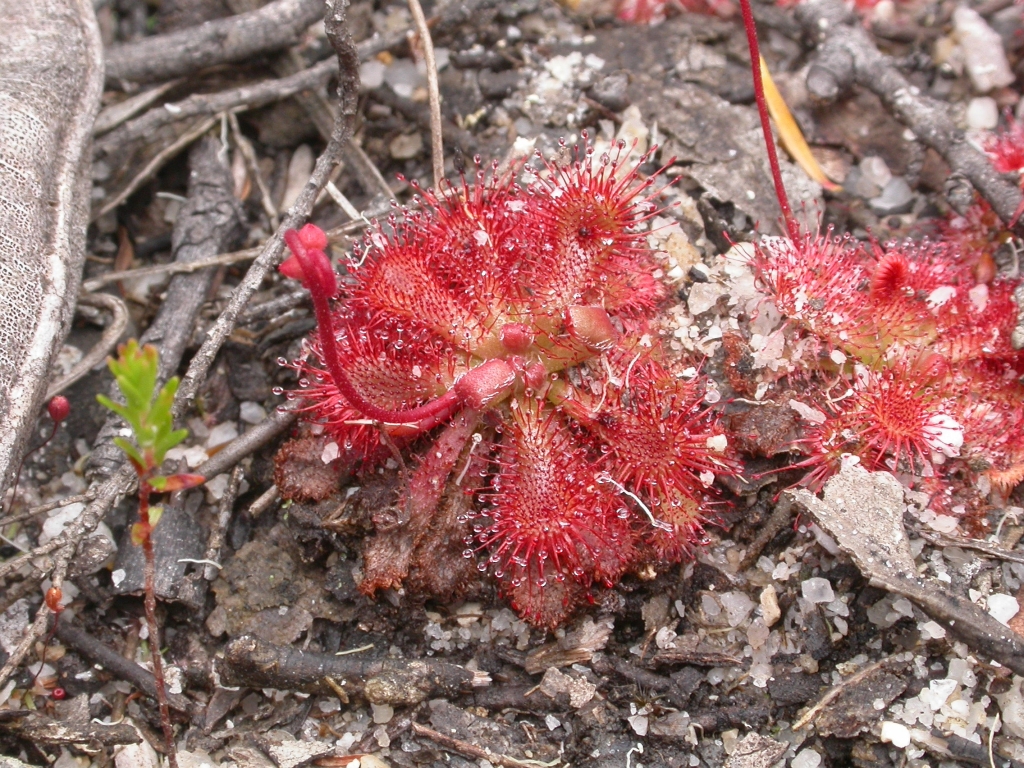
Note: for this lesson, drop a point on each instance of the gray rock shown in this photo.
(896, 197)
(611, 92)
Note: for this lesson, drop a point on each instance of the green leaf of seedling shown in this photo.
(120, 410)
(155, 513)
(140, 532)
(165, 442)
(133, 454)
(146, 410)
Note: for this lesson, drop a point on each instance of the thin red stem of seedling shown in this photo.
(766, 128)
(154, 635)
(442, 407)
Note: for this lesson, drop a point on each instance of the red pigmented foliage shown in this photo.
(920, 376)
(524, 309)
(975, 236)
(655, 11)
(1006, 148)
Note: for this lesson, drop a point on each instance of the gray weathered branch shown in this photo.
(847, 56)
(271, 28)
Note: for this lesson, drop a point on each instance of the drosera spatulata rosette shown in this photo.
(515, 319)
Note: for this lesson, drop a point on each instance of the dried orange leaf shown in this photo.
(790, 135)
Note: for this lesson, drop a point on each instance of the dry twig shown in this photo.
(472, 750)
(153, 166)
(111, 335)
(272, 27)
(436, 142)
(348, 87)
(251, 96)
(847, 56)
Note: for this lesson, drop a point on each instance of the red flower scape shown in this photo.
(518, 317)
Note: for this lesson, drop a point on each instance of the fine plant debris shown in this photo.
(540, 383)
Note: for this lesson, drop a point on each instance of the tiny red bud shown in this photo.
(59, 694)
(53, 598)
(59, 408)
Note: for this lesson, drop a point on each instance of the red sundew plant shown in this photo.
(976, 236)
(1006, 152)
(913, 368)
(517, 316)
(1006, 148)
(920, 376)
(655, 11)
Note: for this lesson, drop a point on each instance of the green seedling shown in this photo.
(147, 411)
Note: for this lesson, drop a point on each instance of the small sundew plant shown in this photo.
(516, 319)
(908, 351)
(148, 413)
(903, 351)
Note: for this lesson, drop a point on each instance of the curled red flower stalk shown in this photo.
(510, 305)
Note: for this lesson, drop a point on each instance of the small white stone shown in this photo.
(639, 723)
(875, 170)
(941, 690)
(932, 630)
(703, 296)
(757, 633)
(982, 113)
(217, 486)
(806, 758)
(552, 722)
(1002, 608)
(983, 50)
(251, 413)
(371, 74)
(59, 518)
(194, 456)
(710, 606)
(737, 607)
(222, 434)
(330, 453)
(817, 590)
(382, 713)
(718, 443)
(770, 605)
(896, 734)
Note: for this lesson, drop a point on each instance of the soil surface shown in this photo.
(763, 649)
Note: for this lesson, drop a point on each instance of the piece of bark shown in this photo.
(863, 512)
(254, 663)
(51, 79)
(40, 729)
(177, 540)
(208, 223)
(271, 28)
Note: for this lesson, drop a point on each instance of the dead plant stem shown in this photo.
(434, 93)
